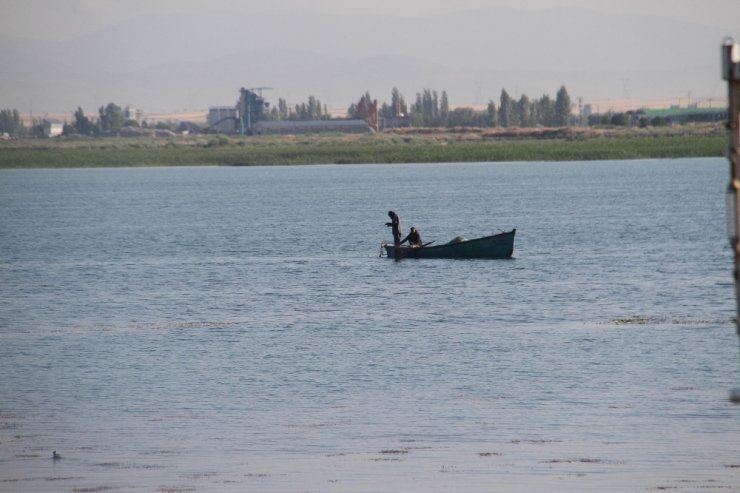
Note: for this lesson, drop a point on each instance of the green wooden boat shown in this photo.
(500, 245)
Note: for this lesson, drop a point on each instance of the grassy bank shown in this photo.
(462, 145)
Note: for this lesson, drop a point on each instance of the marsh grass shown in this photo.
(457, 145)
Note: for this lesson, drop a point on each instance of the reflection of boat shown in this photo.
(500, 245)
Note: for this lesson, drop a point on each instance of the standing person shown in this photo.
(395, 224)
(414, 238)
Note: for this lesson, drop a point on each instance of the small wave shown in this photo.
(181, 324)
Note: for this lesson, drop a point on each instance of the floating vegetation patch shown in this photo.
(127, 465)
(665, 320)
(201, 475)
(709, 484)
(635, 320)
(56, 478)
(160, 452)
(394, 451)
(536, 442)
(391, 454)
(488, 454)
(571, 461)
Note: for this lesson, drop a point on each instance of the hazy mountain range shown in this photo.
(186, 61)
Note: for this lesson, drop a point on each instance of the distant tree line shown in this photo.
(432, 109)
(11, 123)
(110, 121)
(628, 118)
(310, 110)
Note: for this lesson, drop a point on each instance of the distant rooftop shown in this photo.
(674, 111)
(311, 126)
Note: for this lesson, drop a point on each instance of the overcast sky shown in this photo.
(110, 50)
(58, 19)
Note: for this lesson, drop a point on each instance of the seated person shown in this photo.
(414, 238)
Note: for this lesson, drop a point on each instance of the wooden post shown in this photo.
(731, 73)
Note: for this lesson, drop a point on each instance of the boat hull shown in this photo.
(490, 247)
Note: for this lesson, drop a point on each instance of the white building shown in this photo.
(130, 113)
(53, 128)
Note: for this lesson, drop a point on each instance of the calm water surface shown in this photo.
(233, 329)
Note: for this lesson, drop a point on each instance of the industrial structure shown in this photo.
(250, 108)
(222, 119)
(250, 117)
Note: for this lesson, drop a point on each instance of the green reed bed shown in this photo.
(341, 149)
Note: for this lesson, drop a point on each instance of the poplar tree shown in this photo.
(82, 124)
(398, 103)
(546, 111)
(525, 112)
(491, 114)
(505, 109)
(111, 118)
(283, 113)
(10, 122)
(562, 107)
(444, 107)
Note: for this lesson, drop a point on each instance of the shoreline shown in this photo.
(389, 147)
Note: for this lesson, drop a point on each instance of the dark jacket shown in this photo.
(414, 238)
(396, 227)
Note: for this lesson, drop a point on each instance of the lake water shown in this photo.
(233, 329)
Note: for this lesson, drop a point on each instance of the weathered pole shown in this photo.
(731, 73)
